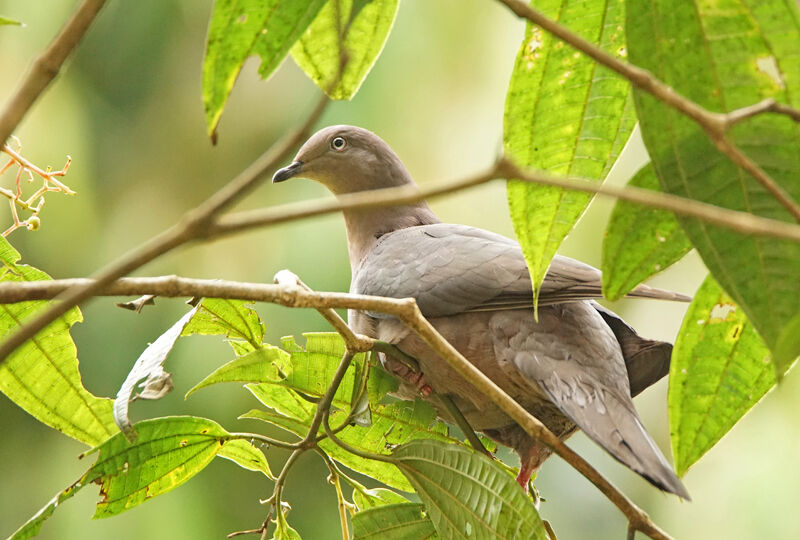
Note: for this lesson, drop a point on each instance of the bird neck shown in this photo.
(366, 226)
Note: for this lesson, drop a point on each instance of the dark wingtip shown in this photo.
(287, 172)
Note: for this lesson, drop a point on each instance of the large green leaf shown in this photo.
(639, 241)
(41, 375)
(241, 28)
(720, 369)
(405, 521)
(319, 51)
(726, 56)
(466, 494)
(566, 114)
(167, 453)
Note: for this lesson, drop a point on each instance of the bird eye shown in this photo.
(338, 144)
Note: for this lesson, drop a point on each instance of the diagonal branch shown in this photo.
(714, 124)
(46, 66)
(190, 227)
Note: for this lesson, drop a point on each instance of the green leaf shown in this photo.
(247, 456)
(308, 376)
(787, 349)
(242, 28)
(167, 453)
(393, 424)
(405, 521)
(371, 498)
(720, 369)
(42, 376)
(639, 241)
(724, 58)
(231, 318)
(261, 365)
(319, 51)
(466, 493)
(32, 527)
(5, 21)
(565, 114)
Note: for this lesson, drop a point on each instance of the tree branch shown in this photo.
(46, 66)
(742, 222)
(714, 124)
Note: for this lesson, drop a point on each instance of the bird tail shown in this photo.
(630, 444)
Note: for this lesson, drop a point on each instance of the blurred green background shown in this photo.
(128, 110)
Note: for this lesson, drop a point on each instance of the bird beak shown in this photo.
(287, 172)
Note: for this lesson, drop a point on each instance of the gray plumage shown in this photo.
(578, 365)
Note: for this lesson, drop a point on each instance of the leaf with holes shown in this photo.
(41, 375)
(242, 28)
(724, 59)
(319, 51)
(565, 114)
(466, 494)
(406, 521)
(720, 369)
(167, 453)
(640, 241)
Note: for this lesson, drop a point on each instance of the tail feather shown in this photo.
(629, 443)
(612, 422)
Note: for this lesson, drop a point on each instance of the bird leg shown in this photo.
(403, 366)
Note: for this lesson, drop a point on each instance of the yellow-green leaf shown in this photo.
(242, 28)
(720, 369)
(365, 28)
(640, 241)
(41, 375)
(565, 114)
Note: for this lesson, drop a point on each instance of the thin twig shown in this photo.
(190, 227)
(46, 66)
(334, 479)
(768, 105)
(264, 439)
(324, 404)
(714, 124)
(741, 222)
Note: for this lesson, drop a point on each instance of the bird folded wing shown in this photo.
(453, 268)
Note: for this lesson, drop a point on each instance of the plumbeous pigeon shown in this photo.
(576, 367)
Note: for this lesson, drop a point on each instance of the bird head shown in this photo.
(346, 159)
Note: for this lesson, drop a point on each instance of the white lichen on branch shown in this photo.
(33, 203)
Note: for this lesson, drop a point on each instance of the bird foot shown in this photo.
(408, 375)
(418, 380)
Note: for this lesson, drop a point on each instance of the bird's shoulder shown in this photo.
(448, 268)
